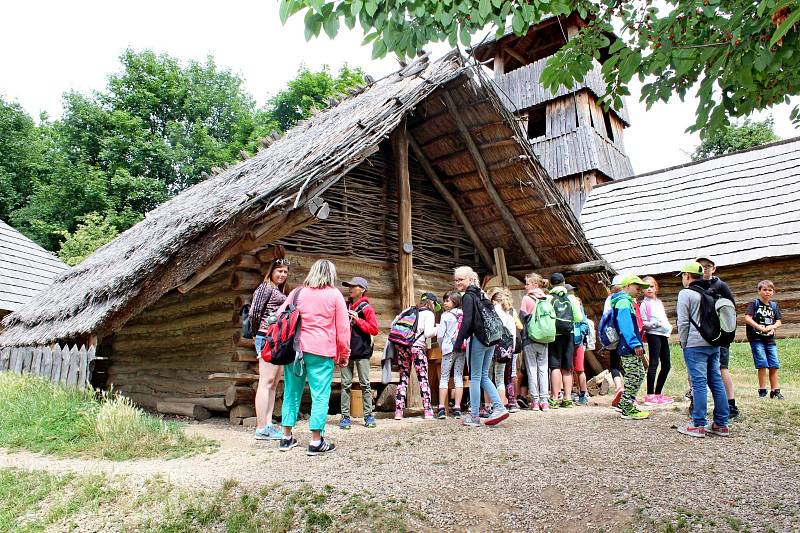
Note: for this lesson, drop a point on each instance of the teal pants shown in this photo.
(319, 373)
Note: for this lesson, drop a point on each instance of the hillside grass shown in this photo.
(41, 417)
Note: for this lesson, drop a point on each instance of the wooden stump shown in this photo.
(236, 395)
(385, 401)
(195, 411)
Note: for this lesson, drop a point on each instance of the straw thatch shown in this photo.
(188, 232)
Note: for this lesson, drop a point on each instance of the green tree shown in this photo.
(91, 234)
(310, 90)
(736, 137)
(740, 55)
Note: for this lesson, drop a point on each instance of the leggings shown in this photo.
(405, 356)
(658, 346)
(615, 364)
(452, 361)
(508, 375)
(634, 375)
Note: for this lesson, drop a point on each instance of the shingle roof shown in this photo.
(25, 268)
(737, 208)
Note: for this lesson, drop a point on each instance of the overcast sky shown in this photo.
(47, 48)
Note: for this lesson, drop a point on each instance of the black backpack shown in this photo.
(563, 308)
(717, 317)
(245, 314)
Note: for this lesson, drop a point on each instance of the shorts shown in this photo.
(580, 353)
(724, 356)
(560, 352)
(765, 355)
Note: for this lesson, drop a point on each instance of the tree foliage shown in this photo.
(740, 55)
(736, 137)
(118, 153)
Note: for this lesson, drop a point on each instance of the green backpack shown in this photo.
(541, 326)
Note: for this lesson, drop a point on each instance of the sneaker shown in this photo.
(523, 403)
(689, 429)
(497, 416)
(428, 414)
(574, 397)
(287, 444)
(583, 400)
(635, 414)
(471, 421)
(271, 432)
(616, 398)
(665, 400)
(721, 431)
(369, 421)
(762, 394)
(553, 404)
(735, 413)
(441, 414)
(566, 404)
(484, 412)
(456, 413)
(776, 395)
(323, 447)
(651, 399)
(398, 414)
(513, 408)
(544, 406)
(344, 423)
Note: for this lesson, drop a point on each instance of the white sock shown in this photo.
(315, 442)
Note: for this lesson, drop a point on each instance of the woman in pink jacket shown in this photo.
(324, 341)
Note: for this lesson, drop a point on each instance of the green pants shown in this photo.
(319, 372)
(634, 375)
(363, 379)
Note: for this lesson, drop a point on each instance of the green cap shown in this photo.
(633, 280)
(692, 268)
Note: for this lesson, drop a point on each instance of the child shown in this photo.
(762, 318)
(501, 298)
(630, 348)
(535, 353)
(658, 329)
(578, 364)
(363, 325)
(452, 356)
(417, 354)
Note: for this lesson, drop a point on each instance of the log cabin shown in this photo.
(741, 209)
(400, 182)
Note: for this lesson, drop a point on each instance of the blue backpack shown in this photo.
(607, 331)
(580, 332)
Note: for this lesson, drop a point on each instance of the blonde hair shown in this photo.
(467, 272)
(535, 278)
(653, 283)
(322, 274)
(502, 296)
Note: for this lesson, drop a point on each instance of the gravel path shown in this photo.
(581, 469)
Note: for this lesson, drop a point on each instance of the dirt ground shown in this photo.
(580, 469)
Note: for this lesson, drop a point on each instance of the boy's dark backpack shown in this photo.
(717, 317)
(403, 330)
(245, 314)
(282, 344)
(563, 309)
(493, 327)
(361, 343)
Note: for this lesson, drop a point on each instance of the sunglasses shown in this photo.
(283, 262)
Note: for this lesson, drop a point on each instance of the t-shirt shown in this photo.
(763, 315)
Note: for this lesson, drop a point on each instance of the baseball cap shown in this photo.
(707, 258)
(556, 278)
(633, 279)
(692, 268)
(431, 297)
(357, 281)
(617, 280)
(569, 287)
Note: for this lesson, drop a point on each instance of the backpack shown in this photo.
(358, 339)
(245, 315)
(717, 317)
(493, 327)
(579, 333)
(282, 344)
(541, 326)
(459, 321)
(607, 332)
(403, 330)
(563, 311)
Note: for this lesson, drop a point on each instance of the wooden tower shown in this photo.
(578, 142)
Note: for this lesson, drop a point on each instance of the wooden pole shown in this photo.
(405, 266)
(500, 266)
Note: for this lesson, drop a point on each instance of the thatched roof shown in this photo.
(188, 232)
(738, 208)
(25, 268)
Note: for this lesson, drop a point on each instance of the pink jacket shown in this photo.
(325, 325)
(529, 304)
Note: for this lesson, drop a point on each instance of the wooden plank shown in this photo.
(36, 363)
(589, 267)
(91, 356)
(83, 367)
(483, 172)
(405, 264)
(233, 376)
(451, 201)
(5, 358)
(55, 374)
(27, 359)
(74, 366)
(500, 265)
(46, 368)
(64, 365)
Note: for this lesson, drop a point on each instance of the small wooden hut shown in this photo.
(415, 174)
(741, 209)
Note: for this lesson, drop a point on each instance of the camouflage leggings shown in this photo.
(634, 376)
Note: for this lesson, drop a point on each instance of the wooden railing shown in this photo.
(60, 365)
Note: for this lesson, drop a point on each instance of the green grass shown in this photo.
(40, 417)
(35, 501)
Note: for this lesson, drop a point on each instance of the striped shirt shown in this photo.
(266, 300)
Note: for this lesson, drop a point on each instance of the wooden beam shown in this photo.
(500, 265)
(451, 201)
(516, 55)
(405, 264)
(499, 65)
(483, 172)
(589, 267)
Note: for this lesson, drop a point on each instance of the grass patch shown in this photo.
(41, 417)
(36, 501)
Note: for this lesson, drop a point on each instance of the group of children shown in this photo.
(549, 365)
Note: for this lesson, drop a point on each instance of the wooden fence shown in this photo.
(67, 366)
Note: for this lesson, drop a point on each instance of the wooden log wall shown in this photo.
(743, 280)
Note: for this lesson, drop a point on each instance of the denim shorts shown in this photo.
(765, 355)
(260, 340)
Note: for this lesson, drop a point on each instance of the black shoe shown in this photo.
(735, 414)
(324, 447)
(776, 394)
(287, 444)
(522, 403)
